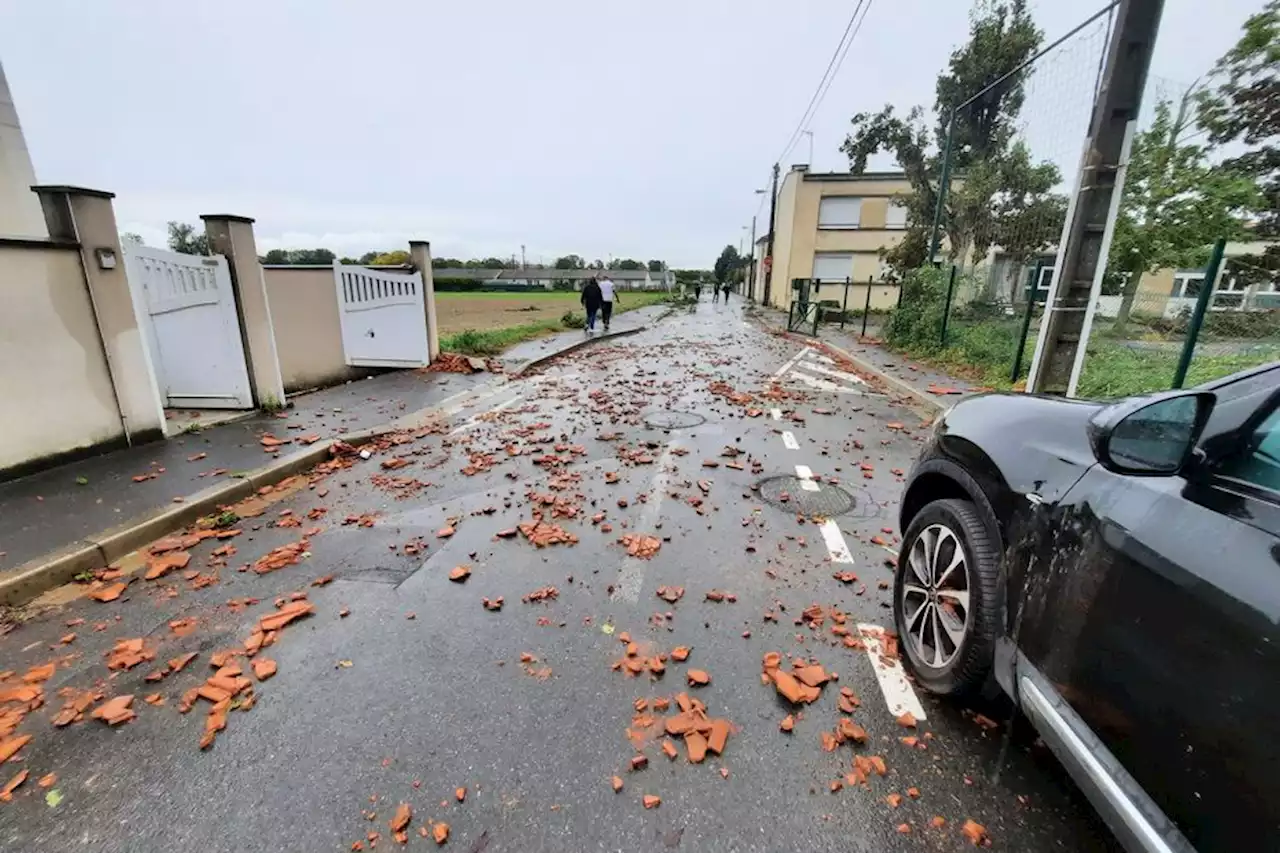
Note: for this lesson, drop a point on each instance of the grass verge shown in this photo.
(494, 341)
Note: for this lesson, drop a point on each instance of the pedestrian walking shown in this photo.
(726, 293)
(607, 294)
(697, 291)
(715, 292)
(591, 301)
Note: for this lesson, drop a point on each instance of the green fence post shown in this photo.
(1032, 290)
(866, 309)
(1197, 317)
(946, 312)
(944, 181)
(844, 308)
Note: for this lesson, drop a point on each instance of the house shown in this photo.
(833, 226)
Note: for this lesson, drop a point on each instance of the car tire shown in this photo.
(968, 668)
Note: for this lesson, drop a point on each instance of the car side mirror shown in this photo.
(1152, 436)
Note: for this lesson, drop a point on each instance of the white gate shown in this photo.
(383, 320)
(192, 328)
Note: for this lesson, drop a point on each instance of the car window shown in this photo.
(1260, 463)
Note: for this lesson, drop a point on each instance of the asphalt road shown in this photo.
(420, 690)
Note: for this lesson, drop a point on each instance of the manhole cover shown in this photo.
(826, 501)
(674, 420)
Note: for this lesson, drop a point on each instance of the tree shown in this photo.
(1002, 36)
(446, 263)
(625, 264)
(728, 261)
(1175, 203)
(657, 266)
(597, 264)
(571, 262)
(396, 257)
(129, 238)
(300, 257)
(183, 238)
(1242, 108)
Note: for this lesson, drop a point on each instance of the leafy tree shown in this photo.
(597, 264)
(348, 261)
(571, 262)
(299, 257)
(393, 258)
(657, 266)
(1175, 203)
(185, 239)
(727, 263)
(129, 238)
(447, 263)
(367, 257)
(625, 264)
(1243, 108)
(1002, 35)
(276, 257)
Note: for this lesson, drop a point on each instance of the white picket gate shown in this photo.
(384, 323)
(192, 328)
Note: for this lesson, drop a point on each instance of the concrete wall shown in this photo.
(799, 237)
(20, 213)
(304, 315)
(55, 383)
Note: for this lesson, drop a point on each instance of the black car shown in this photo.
(1115, 568)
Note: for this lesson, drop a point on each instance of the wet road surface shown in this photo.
(419, 690)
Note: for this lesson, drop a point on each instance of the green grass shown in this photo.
(625, 297)
(494, 341)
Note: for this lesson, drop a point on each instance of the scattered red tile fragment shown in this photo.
(907, 720)
(263, 668)
(400, 820)
(651, 801)
(617, 784)
(440, 832)
(10, 746)
(698, 678)
(459, 573)
(976, 833)
(115, 711)
(110, 592)
(6, 793)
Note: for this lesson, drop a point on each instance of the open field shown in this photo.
(482, 311)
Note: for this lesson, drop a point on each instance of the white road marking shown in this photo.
(839, 374)
(474, 420)
(814, 355)
(776, 414)
(898, 693)
(806, 478)
(791, 361)
(789, 440)
(821, 384)
(836, 546)
(478, 397)
(631, 572)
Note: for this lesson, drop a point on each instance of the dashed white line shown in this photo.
(898, 694)
(836, 545)
(789, 440)
(806, 478)
(776, 414)
(474, 420)
(631, 572)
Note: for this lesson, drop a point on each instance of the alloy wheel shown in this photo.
(935, 596)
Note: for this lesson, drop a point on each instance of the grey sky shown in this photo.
(636, 129)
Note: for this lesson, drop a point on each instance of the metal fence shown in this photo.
(854, 305)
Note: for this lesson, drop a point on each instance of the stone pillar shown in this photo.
(420, 254)
(19, 209)
(87, 217)
(233, 236)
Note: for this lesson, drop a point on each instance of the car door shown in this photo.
(1152, 607)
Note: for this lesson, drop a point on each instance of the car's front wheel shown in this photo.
(946, 596)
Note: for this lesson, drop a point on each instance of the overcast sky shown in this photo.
(602, 128)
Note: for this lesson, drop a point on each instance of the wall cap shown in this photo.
(52, 189)
(230, 217)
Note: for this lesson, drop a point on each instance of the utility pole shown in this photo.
(523, 265)
(809, 133)
(1090, 221)
(768, 250)
(751, 282)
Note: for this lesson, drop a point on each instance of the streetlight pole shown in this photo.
(751, 283)
(768, 252)
(809, 133)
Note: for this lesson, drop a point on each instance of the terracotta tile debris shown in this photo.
(492, 604)
(651, 801)
(907, 720)
(115, 711)
(641, 546)
(285, 555)
(670, 594)
(48, 780)
(459, 574)
(440, 832)
(542, 534)
(9, 746)
(638, 762)
(37, 674)
(698, 678)
(126, 654)
(108, 592)
(976, 833)
(460, 794)
(617, 783)
(161, 565)
(669, 749)
(75, 703)
(400, 820)
(263, 668)
(680, 654)
(546, 593)
(788, 723)
(6, 793)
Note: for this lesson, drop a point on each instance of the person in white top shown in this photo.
(607, 294)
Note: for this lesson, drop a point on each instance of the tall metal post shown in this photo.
(768, 250)
(866, 308)
(944, 183)
(1032, 289)
(751, 283)
(844, 307)
(1203, 301)
(946, 312)
(1082, 254)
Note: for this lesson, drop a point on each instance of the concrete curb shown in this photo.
(899, 385)
(25, 582)
(576, 345)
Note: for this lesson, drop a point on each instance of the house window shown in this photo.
(1046, 280)
(1188, 283)
(896, 216)
(832, 266)
(839, 212)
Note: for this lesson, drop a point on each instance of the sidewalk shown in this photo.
(521, 356)
(47, 511)
(926, 383)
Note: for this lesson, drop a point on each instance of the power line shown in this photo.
(828, 76)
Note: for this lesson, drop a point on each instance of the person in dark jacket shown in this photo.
(591, 299)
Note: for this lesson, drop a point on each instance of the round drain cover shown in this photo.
(826, 500)
(673, 419)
